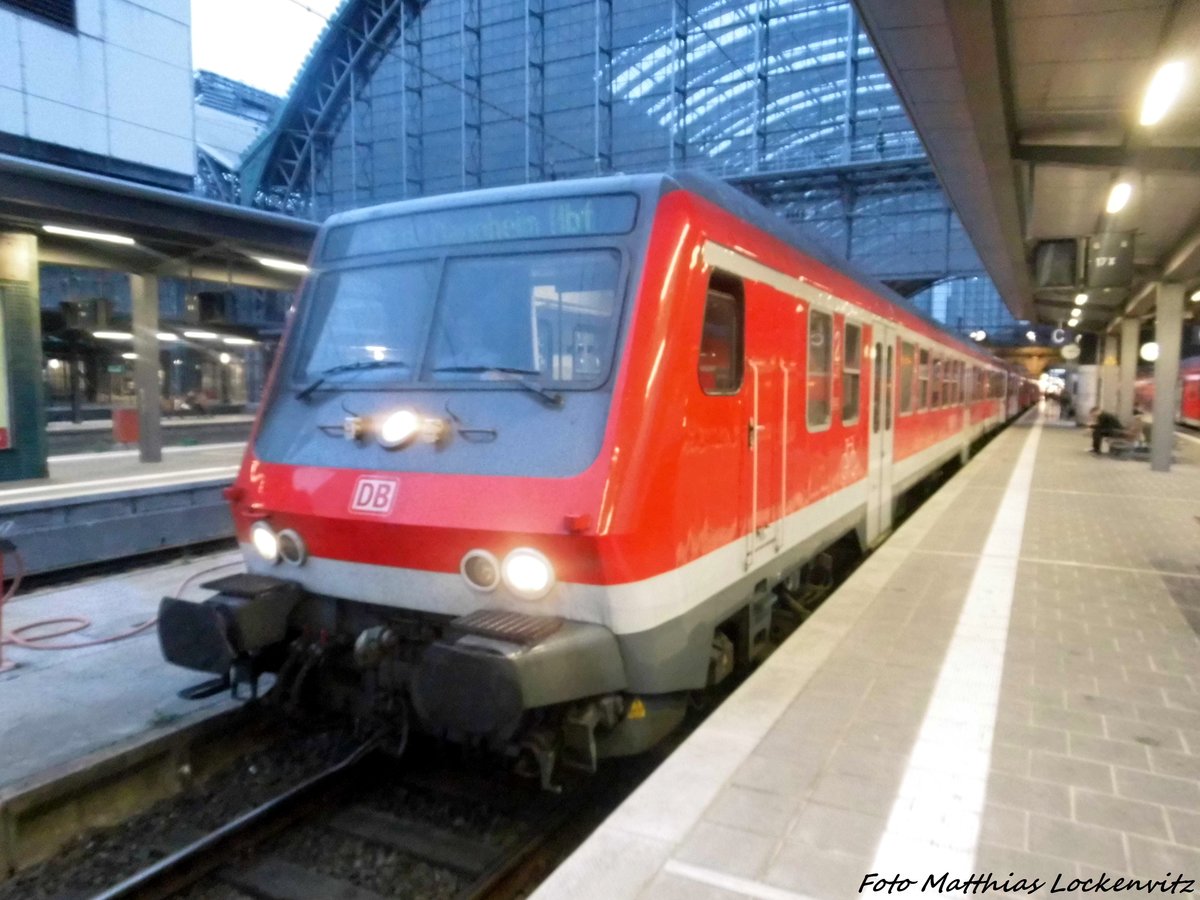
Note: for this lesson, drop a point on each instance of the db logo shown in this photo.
(374, 495)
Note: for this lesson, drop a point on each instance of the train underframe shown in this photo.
(545, 691)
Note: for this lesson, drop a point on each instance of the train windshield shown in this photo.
(547, 317)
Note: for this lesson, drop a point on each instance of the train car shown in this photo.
(534, 464)
(1187, 392)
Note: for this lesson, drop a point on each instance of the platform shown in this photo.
(94, 435)
(60, 705)
(96, 507)
(1010, 685)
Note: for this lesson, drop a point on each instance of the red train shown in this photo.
(537, 462)
(1187, 392)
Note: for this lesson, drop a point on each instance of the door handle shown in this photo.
(752, 429)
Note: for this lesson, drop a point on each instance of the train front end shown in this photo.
(421, 505)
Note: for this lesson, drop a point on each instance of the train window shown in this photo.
(935, 385)
(923, 380)
(820, 368)
(951, 392)
(876, 386)
(907, 363)
(722, 342)
(851, 373)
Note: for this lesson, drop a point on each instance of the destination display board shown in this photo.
(520, 220)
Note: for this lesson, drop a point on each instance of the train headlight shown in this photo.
(399, 428)
(481, 570)
(265, 541)
(528, 573)
(291, 547)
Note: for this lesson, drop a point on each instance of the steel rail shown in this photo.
(186, 866)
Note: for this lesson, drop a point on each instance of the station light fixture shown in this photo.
(201, 335)
(128, 356)
(237, 341)
(54, 363)
(1149, 351)
(105, 236)
(1081, 299)
(1118, 196)
(167, 336)
(1195, 298)
(225, 359)
(283, 265)
(1162, 92)
(1032, 335)
(113, 335)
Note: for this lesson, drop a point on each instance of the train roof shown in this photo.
(651, 188)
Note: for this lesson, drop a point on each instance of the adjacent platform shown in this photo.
(102, 506)
(60, 705)
(1010, 685)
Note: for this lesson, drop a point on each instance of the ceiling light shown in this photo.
(1162, 92)
(237, 341)
(1149, 351)
(225, 358)
(284, 265)
(1195, 298)
(1080, 299)
(128, 356)
(1118, 197)
(201, 335)
(113, 335)
(167, 336)
(105, 236)
(1032, 335)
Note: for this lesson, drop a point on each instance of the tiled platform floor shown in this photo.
(1010, 685)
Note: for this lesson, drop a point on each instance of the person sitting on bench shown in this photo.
(1104, 425)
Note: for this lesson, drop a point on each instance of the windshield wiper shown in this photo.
(305, 392)
(549, 397)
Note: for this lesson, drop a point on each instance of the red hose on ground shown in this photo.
(19, 637)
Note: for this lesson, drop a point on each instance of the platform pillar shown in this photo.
(1129, 358)
(144, 291)
(1168, 333)
(1109, 374)
(22, 405)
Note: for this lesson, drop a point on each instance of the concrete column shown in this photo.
(144, 290)
(1168, 333)
(1108, 374)
(23, 420)
(1129, 358)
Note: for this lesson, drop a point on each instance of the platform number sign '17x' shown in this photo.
(374, 495)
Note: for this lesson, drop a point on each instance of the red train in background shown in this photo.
(536, 463)
(1187, 392)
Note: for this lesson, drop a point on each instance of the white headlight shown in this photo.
(399, 428)
(528, 573)
(265, 541)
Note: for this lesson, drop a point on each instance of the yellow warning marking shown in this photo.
(637, 709)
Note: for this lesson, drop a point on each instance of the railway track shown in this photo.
(370, 827)
(366, 826)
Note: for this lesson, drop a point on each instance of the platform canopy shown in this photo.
(140, 229)
(1031, 113)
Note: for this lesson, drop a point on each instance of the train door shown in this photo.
(880, 444)
(765, 436)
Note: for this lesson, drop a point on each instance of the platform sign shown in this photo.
(5, 407)
(1110, 259)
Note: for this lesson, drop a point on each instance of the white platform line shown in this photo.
(935, 819)
(127, 454)
(743, 886)
(69, 489)
(1188, 437)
